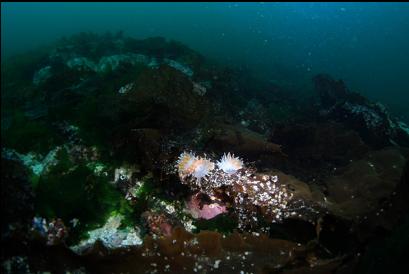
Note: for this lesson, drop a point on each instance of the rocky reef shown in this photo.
(122, 155)
(371, 120)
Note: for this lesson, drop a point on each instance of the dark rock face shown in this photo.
(361, 187)
(17, 197)
(167, 99)
(315, 149)
(17, 210)
(329, 90)
(373, 122)
(242, 141)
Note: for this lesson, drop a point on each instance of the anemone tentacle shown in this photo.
(230, 164)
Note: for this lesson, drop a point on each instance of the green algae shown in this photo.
(25, 135)
(74, 192)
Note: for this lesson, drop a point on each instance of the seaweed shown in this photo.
(25, 135)
(77, 193)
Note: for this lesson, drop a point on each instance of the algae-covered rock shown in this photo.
(25, 135)
(110, 235)
(75, 192)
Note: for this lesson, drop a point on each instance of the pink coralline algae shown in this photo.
(204, 211)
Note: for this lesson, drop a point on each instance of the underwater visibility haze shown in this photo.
(204, 137)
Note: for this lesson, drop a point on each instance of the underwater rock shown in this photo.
(78, 153)
(180, 67)
(75, 146)
(163, 215)
(81, 64)
(87, 72)
(166, 98)
(373, 122)
(148, 143)
(380, 124)
(184, 252)
(113, 62)
(316, 149)
(127, 183)
(362, 185)
(331, 91)
(159, 224)
(42, 75)
(30, 135)
(16, 264)
(388, 212)
(199, 89)
(41, 165)
(38, 164)
(110, 235)
(110, 63)
(241, 140)
(77, 194)
(70, 132)
(17, 197)
(386, 254)
(126, 88)
(55, 232)
(211, 252)
(255, 117)
(247, 191)
(35, 110)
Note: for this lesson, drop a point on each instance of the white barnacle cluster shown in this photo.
(263, 191)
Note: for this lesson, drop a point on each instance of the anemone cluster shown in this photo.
(202, 174)
(200, 167)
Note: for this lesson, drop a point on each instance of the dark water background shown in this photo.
(366, 44)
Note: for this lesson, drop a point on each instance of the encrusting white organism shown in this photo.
(230, 164)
